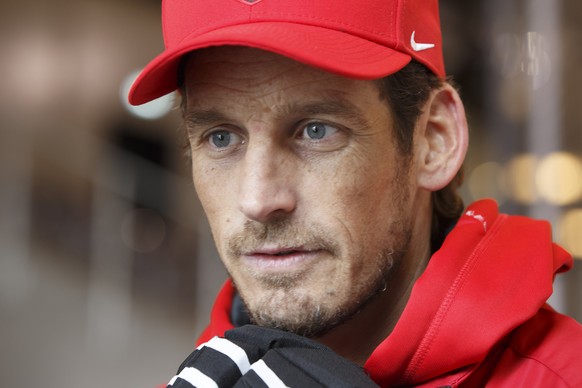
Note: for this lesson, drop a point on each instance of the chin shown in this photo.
(306, 313)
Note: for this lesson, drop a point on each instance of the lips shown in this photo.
(273, 258)
(274, 251)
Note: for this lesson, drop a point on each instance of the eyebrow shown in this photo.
(203, 117)
(339, 107)
(333, 106)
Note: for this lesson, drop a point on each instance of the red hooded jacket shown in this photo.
(477, 315)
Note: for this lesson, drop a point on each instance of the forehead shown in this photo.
(233, 69)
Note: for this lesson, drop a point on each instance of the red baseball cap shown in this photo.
(366, 39)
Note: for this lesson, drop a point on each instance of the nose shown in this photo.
(266, 187)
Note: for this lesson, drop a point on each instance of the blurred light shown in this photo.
(536, 63)
(519, 178)
(559, 178)
(526, 57)
(485, 182)
(35, 70)
(506, 55)
(150, 111)
(143, 230)
(570, 227)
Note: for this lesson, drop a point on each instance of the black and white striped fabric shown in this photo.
(252, 356)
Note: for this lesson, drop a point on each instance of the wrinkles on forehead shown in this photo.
(252, 71)
(243, 69)
(258, 82)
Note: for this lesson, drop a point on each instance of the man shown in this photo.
(326, 148)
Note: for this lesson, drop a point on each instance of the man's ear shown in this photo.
(442, 139)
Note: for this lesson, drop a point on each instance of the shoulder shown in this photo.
(546, 349)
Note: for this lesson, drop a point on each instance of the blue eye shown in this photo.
(220, 139)
(224, 139)
(318, 131)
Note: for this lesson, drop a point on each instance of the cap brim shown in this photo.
(329, 50)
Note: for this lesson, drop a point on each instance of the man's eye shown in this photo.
(223, 139)
(318, 131)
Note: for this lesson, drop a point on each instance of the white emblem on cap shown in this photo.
(419, 46)
(250, 2)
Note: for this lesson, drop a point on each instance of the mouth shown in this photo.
(279, 253)
(281, 258)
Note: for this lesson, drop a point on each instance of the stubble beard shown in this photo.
(285, 305)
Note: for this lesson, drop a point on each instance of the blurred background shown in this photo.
(107, 268)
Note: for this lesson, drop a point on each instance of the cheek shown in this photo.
(364, 206)
(205, 189)
(216, 197)
(212, 186)
(358, 190)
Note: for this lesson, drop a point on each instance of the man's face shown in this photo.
(309, 200)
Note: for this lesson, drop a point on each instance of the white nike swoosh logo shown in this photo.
(419, 46)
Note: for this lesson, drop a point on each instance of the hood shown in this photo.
(492, 273)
